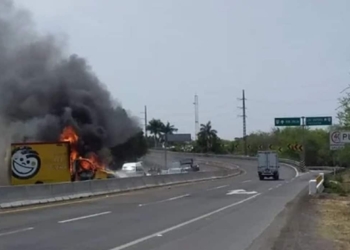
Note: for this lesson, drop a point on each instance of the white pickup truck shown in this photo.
(268, 165)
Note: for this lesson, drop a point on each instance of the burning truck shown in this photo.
(53, 162)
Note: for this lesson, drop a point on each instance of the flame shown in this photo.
(69, 134)
(92, 162)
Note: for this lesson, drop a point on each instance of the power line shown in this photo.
(244, 116)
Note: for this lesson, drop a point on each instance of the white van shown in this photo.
(134, 169)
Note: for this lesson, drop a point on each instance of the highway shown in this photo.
(221, 214)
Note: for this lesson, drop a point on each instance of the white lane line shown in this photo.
(271, 188)
(169, 199)
(135, 242)
(295, 169)
(246, 181)
(84, 217)
(278, 185)
(17, 231)
(177, 197)
(214, 188)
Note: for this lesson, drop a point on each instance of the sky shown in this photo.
(292, 58)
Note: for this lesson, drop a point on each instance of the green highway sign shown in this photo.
(318, 121)
(287, 121)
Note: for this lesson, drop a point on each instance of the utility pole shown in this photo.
(302, 164)
(145, 121)
(196, 117)
(244, 116)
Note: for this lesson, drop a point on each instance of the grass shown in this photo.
(338, 184)
(334, 220)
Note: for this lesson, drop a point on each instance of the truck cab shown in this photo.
(268, 164)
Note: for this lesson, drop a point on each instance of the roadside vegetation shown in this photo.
(338, 183)
(208, 141)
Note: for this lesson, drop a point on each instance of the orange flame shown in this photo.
(92, 162)
(68, 134)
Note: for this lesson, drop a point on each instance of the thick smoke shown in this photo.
(42, 90)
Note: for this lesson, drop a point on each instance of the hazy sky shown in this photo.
(292, 57)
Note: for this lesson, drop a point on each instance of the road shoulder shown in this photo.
(295, 228)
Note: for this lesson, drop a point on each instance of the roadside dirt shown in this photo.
(321, 222)
(301, 229)
(309, 223)
(334, 222)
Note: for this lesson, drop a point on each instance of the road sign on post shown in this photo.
(318, 121)
(336, 141)
(287, 121)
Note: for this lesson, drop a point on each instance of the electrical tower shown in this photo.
(244, 116)
(196, 117)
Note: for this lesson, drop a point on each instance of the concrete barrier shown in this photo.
(213, 156)
(17, 196)
(316, 185)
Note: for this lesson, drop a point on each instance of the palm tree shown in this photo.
(207, 135)
(168, 129)
(155, 127)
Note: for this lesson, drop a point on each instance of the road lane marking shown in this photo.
(278, 185)
(240, 191)
(295, 169)
(84, 217)
(246, 181)
(17, 231)
(135, 242)
(270, 188)
(169, 199)
(214, 188)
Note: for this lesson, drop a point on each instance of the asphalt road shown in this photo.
(222, 214)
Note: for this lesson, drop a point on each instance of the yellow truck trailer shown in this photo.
(45, 162)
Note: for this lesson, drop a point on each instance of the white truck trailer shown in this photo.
(268, 164)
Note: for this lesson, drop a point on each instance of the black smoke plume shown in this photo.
(42, 90)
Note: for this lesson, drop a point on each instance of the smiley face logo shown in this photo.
(25, 162)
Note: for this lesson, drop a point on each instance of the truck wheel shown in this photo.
(276, 177)
(261, 177)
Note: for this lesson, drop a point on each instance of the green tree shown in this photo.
(207, 137)
(343, 114)
(168, 129)
(155, 127)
